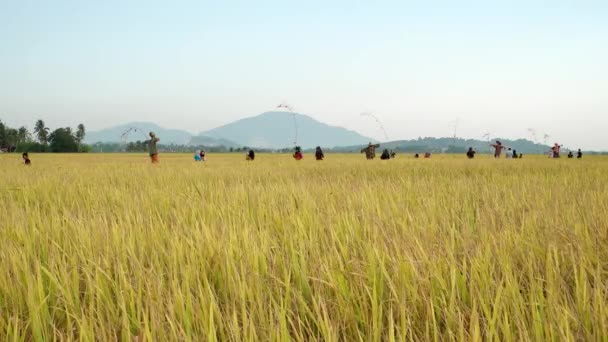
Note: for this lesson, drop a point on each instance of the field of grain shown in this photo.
(109, 247)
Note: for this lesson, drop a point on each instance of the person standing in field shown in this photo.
(556, 150)
(26, 159)
(250, 155)
(298, 153)
(153, 148)
(319, 153)
(385, 155)
(579, 154)
(370, 151)
(497, 149)
(471, 153)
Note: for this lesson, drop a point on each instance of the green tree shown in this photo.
(2, 134)
(80, 133)
(11, 139)
(62, 140)
(24, 134)
(42, 132)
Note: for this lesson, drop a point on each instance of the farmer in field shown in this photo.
(298, 154)
(152, 148)
(471, 153)
(570, 155)
(26, 159)
(497, 149)
(319, 153)
(579, 154)
(250, 155)
(385, 155)
(556, 150)
(197, 156)
(370, 150)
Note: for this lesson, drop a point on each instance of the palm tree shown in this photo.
(42, 132)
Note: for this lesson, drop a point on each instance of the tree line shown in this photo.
(42, 139)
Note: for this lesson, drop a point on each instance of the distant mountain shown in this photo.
(139, 131)
(201, 140)
(451, 145)
(276, 130)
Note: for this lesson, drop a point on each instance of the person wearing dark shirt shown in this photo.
(570, 155)
(26, 159)
(250, 155)
(471, 153)
(319, 153)
(385, 155)
(579, 154)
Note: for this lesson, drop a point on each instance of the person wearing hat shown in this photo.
(497, 149)
(152, 148)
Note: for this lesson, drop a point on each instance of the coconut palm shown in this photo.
(42, 132)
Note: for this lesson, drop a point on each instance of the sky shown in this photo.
(497, 67)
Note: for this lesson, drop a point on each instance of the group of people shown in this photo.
(498, 148)
(298, 155)
(579, 154)
(426, 155)
(200, 156)
(554, 152)
(369, 150)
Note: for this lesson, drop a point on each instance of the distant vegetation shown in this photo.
(451, 145)
(273, 131)
(42, 139)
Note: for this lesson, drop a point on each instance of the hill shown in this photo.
(201, 140)
(140, 132)
(276, 130)
(450, 145)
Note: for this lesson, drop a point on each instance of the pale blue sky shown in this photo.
(498, 66)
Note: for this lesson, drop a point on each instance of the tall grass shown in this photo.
(108, 247)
